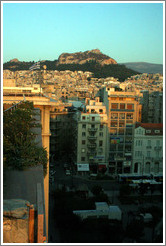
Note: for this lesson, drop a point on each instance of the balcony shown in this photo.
(157, 148)
(91, 153)
(92, 138)
(92, 129)
(92, 146)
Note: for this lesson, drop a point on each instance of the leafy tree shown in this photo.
(20, 149)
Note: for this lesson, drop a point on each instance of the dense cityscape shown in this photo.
(83, 122)
(104, 140)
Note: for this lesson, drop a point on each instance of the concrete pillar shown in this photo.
(45, 121)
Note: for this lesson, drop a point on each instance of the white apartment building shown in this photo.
(92, 141)
(148, 149)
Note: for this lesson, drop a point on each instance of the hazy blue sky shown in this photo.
(127, 32)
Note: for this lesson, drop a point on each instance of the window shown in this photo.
(148, 131)
(101, 134)
(84, 126)
(101, 110)
(100, 150)
(83, 134)
(136, 167)
(83, 141)
(148, 153)
(157, 131)
(83, 150)
(114, 116)
(158, 142)
(100, 143)
(139, 142)
(121, 116)
(138, 153)
(93, 118)
(83, 117)
(82, 158)
(121, 123)
(129, 116)
(114, 123)
(130, 106)
(147, 167)
(113, 131)
(92, 126)
(114, 105)
(121, 131)
(122, 106)
(156, 167)
(92, 110)
(149, 142)
(101, 127)
(157, 154)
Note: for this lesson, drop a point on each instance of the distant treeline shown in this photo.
(112, 70)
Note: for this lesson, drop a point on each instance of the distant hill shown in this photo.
(84, 57)
(144, 67)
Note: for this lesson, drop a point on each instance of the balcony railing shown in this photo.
(92, 129)
(92, 146)
(92, 138)
(157, 148)
(92, 153)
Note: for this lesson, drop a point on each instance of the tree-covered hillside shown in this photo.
(112, 70)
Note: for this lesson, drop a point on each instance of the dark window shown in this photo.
(100, 143)
(83, 141)
(130, 106)
(122, 106)
(82, 158)
(114, 105)
(93, 118)
(101, 126)
(83, 126)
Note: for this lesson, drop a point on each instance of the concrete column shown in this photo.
(45, 121)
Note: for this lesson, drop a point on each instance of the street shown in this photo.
(110, 187)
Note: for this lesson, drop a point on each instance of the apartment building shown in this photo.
(148, 149)
(152, 107)
(63, 121)
(124, 110)
(92, 140)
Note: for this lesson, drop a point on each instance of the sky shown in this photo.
(127, 32)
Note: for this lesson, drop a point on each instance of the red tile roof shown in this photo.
(150, 125)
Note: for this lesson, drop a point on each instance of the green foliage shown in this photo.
(20, 149)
